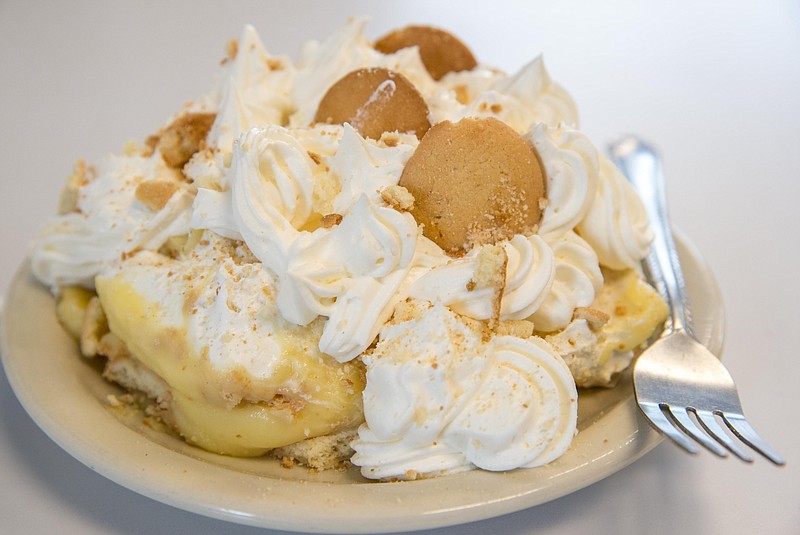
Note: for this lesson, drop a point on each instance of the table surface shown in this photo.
(714, 86)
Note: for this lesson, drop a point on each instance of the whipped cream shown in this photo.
(350, 272)
(616, 225)
(527, 98)
(545, 281)
(571, 169)
(109, 221)
(253, 89)
(439, 399)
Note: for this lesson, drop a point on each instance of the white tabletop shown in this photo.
(716, 87)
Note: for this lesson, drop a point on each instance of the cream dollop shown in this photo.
(539, 98)
(616, 225)
(349, 273)
(263, 80)
(522, 100)
(529, 276)
(273, 184)
(546, 279)
(109, 221)
(254, 92)
(439, 399)
(571, 166)
(364, 167)
(577, 280)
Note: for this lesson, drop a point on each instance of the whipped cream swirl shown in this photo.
(365, 168)
(616, 225)
(109, 221)
(349, 272)
(439, 400)
(571, 168)
(254, 91)
(529, 277)
(522, 100)
(546, 279)
(576, 282)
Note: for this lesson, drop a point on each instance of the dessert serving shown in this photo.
(384, 253)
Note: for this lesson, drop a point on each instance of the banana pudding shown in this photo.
(383, 253)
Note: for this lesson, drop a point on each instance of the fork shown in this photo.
(682, 389)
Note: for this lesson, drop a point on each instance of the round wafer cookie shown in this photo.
(441, 51)
(474, 182)
(374, 101)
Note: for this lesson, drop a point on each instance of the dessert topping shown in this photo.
(155, 193)
(398, 198)
(183, 137)
(441, 51)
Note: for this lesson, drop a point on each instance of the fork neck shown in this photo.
(642, 167)
(664, 269)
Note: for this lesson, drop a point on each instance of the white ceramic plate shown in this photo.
(66, 397)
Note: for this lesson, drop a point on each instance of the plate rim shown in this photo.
(189, 483)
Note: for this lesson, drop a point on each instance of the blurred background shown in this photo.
(714, 85)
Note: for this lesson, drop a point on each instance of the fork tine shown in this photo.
(741, 428)
(686, 424)
(658, 419)
(707, 420)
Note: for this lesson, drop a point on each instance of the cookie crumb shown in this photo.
(398, 198)
(155, 193)
(462, 94)
(596, 318)
(316, 158)
(518, 328)
(132, 148)
(491, 267)
(275, 64)
(231, 49)
(183, 137)
(390, 139)
(112, 347)
(411, 475)
(331, 220)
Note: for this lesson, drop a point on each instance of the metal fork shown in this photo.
(683, 390)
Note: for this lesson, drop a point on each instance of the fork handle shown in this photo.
(641, 165)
